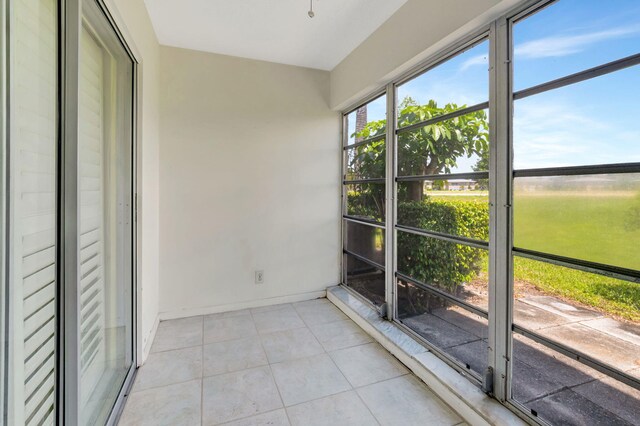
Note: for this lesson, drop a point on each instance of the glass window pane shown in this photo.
(105, 175)
(367, 161)
(459, 333)
(593, 217)
(366, 241)
(365, 279)
(551, 298)
(589, 313)
(458, 145)
(573, 35)
(457, 269)
(367, 121)
(366, 200)
(33, 218)
(581, 124)
(562, 391)
(459, 208)
(454, 84)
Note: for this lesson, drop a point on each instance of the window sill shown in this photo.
(469, 401)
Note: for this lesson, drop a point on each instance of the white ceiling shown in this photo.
(271, 30)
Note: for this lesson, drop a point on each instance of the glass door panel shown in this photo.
(105, 228)
(32, 212)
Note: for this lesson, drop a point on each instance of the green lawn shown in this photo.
(459, 195)
(609, 295)
(594, 228)
(591, 228)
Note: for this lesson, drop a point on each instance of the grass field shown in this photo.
(616, 297)
(594, 228)
(590, 228)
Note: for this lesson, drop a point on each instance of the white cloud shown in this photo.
(476, 60)
(559, 133)
(567, 45)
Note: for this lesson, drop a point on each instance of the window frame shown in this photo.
(345, 148)
(501, 174)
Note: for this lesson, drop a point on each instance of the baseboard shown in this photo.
(152, 335)
(192, 312)
(458, 392)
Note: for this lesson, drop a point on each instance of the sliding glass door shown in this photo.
(105, 219)
(68, 157)
(32, 212)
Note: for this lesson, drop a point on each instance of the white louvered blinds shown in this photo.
(92, 192)
(33, 210)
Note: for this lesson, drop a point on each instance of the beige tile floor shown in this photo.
(295, 364)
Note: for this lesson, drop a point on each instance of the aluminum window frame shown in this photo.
(4, 191)
(344, 183)
(614, 168)
(501, 175)
(392, 179)
(483, 35)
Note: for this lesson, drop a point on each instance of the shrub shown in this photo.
(368, 203)
(436, 262)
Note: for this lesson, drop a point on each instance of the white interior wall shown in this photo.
(134, 21)
(246, 174)
(249, 179)
(417, 31)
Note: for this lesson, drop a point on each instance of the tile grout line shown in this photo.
(366, 406)
(166, 385)
(252, 415)
(353, 388)
(273, 377)
(328, 322)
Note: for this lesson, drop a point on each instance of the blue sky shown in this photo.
(593, 122)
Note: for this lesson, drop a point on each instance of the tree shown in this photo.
(428, 150)
(482, 165)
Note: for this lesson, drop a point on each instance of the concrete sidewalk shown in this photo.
(550, 383)
(559, 389)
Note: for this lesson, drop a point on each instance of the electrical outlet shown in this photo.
(259, 277)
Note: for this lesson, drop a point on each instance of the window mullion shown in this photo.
(500, 211)
(69, 356)
(390, 206)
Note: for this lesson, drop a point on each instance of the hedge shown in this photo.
(441, 263)
(436, 262)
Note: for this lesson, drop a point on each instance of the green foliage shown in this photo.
(437, 262)
(368, 202)
(435, 148)
(482, 165)
(429, 150)
(438, 185)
